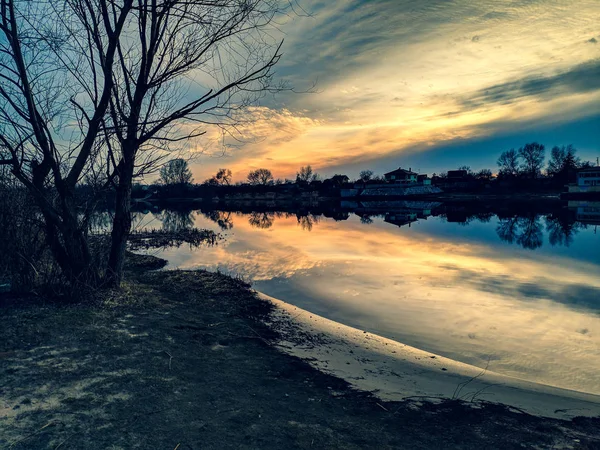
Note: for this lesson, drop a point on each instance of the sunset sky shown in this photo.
(428, 84)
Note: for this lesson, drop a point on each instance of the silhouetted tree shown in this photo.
(260, 177)
(176, 171)
(508, 163)
(306, 175)
(484, 174)
(223, 176)
(563, 163)
(97, 86)
(365, 175)
(533, 155)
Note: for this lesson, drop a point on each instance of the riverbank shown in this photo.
(396, 371)
(185, 360)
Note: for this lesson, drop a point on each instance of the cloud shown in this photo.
(574, 295)
(581, 79)
(397, 77)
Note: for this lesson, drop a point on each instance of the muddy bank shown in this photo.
(182, 359)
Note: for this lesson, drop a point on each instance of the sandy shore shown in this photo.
(396, 372)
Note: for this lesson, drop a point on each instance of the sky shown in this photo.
(429, 85)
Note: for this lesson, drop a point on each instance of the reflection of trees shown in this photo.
(531, 236)
(561, 230)
(176, 221)
(484, 217)
(508, 229)
(262, 220)
(221, 218)
(525, 231)
(366, 219)
(307, 221)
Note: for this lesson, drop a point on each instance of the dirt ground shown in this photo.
(181, 360)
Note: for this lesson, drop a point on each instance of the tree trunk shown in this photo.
(121, 227)
(69, 246)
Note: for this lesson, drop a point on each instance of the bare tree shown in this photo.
(533, 155)
(563, 160)
(223, 176)
(55, 87)
(508, 162)
(225, 46)
(306, 175)
(484, 174)
(260, 177)
(176, 171)
(365, 175)
(148, 76)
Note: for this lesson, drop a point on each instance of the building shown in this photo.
(457, 174)
(588, 182)
(424, 180)
(401, 175)
(589, 177)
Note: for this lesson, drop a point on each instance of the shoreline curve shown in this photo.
(393, 371)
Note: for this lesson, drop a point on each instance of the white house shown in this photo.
(401, 175)
(588, 181)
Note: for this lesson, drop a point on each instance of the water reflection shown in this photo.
(174, 221)
(436, 277)
(525, 231)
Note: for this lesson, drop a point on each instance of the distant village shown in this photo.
(518, 171)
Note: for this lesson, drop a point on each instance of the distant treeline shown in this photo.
(525, 163)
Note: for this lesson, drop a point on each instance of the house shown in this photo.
(457, 174)
(423, 179)
(589, 177)
(401, 175)
(588, 182)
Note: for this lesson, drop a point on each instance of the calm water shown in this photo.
(522, 293)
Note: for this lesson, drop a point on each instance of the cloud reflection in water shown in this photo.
(534, 315)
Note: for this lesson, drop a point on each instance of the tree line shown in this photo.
(177, 172)
(526, 162)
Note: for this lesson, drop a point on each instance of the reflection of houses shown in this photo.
(588, 182)
(457, 217)
(400, 218)
(586, 212)
(409, 212)
(402, 176)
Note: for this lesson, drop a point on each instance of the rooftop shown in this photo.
(401, 170)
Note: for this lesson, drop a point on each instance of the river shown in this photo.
(516, 293)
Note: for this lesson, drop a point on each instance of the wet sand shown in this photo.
(395, 372)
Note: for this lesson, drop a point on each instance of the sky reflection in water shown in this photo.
(453, 289)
